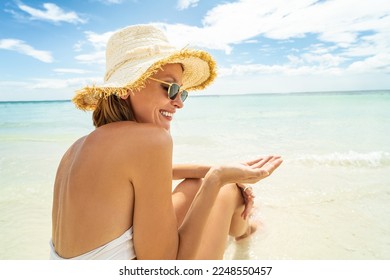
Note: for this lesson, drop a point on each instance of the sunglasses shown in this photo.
(173, 90)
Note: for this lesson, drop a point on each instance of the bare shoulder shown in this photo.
(149, 134)
(72, 150)
(131, 133)
(130, 143)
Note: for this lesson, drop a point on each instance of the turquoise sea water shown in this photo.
(329, 200)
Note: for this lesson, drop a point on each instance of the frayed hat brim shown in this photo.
(199, 71)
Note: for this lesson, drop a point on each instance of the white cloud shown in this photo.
(70, 70)
(325, 60)
(61, 83)
(12, 84)
(311, 82)
(98, 43)
(251, 41)
(337, 22)
(109, 2)
(78, 46)
(377, 63)
(182, 35)
(286, 69)
(185, 4)
(333, 21)
(21, 47)
(51, 13)
(43, 89)
(97, 57)
(346, 31)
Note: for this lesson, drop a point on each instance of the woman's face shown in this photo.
(151, 104)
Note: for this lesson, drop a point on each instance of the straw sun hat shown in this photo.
(135, 53)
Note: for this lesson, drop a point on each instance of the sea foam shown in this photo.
(373, 159)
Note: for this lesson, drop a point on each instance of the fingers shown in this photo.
(252, 162)
(247, 190)
(262, 162)
(269, 163)
(249, 202)
(248, 196)
(272, 164)
(248, 209)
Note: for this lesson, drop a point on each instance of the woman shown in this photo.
(113, 189)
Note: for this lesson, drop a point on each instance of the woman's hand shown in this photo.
(250, 172)
(249, 199)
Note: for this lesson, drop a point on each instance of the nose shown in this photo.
(177, 102)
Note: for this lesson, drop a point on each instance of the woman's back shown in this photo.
(93, 193)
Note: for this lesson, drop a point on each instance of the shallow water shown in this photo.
(329, 200)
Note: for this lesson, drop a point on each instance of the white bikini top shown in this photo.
(121, 248)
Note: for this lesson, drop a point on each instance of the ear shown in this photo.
(126, 96)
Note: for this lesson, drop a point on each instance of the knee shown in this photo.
(230, 189)
(193, 181)
(230, 193)
(188, 185)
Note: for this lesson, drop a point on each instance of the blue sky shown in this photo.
(48, 49)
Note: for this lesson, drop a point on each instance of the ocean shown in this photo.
(330, 199)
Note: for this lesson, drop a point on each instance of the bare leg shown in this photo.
(225, 217)
(182, 197)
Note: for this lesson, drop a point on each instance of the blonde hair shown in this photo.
(112, 109)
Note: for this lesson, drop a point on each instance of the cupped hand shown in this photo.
(250, 172)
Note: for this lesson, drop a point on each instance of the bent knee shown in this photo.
(190, 184)
(231, 193)
(193, 181)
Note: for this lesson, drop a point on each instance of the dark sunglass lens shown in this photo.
(184, 95)
(173, 91)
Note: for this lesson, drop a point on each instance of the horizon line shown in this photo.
(231, 95)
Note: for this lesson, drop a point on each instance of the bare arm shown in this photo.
(154, 220)
(184, 171)
(156, 234)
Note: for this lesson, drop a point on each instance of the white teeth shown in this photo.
(165, 113)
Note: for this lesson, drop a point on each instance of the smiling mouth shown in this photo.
(166, 114)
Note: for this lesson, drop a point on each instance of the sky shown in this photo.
(49, 49)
